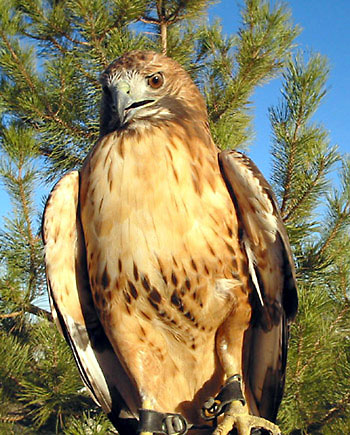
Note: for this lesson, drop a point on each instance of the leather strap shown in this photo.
(214, 406)
(162, 423)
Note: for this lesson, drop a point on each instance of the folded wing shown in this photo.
(72, 305)
(272, 274)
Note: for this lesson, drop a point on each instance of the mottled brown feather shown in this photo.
(177, 256)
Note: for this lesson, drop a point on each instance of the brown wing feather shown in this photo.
(72, 304)
(272, 273)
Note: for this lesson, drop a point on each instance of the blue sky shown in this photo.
(326, 29)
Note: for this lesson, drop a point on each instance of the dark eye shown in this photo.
(155, 81)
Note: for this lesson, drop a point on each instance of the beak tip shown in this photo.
(121, 101)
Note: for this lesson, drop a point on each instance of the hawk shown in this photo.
(169, 270)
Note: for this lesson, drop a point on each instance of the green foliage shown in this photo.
(317, 216)
(40, 386)
(54, 387)
(236, 65)
(317, 394)
(90, 425)
(51, 56)
(301, 152)
(21, 278)
(14, 360)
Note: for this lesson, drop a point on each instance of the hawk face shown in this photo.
(143, 88)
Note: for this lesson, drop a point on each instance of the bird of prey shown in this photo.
(169, 270)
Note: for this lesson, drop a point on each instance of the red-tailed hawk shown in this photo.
(169, 269)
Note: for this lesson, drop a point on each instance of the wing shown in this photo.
(272, 274)
(72, 305)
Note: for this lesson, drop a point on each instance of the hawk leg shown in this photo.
(230, 350)
(230, 400)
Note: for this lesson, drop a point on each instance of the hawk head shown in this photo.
(144, 87)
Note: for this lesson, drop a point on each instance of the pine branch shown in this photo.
(182, 10)
(18, 62)
(149, 20)
(316, 347)
(40, 312)
(292, 155)
(30, 238)
(63, 50)
(331, 236)
(344, 287)
(301, 151)
(41, 18)
(290, 167)
(95, 39)
(57, 44)
(294, 208)
(13, 418)
(49, 115)
(163, 23)
(334, 412)
(11, 315)
(31, 309)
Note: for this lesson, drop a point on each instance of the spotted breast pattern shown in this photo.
(174, 262)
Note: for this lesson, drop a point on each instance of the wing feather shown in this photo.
(72, 305)
(272, 272)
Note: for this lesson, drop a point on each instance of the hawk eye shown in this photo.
(155, 81)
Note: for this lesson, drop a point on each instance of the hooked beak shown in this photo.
(124, 106)
(121, 101)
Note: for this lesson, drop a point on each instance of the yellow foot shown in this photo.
(237, 417)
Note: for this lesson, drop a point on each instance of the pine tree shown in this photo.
(317, 216)
(51, 56)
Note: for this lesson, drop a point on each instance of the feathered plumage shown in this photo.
(168, 265)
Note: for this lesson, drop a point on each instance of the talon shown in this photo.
(237, 417)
